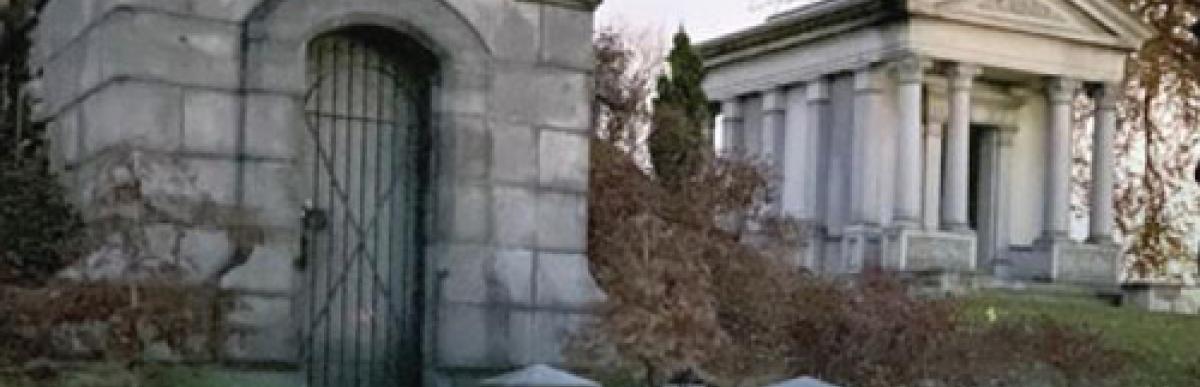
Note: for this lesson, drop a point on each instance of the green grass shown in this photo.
(1164, 349)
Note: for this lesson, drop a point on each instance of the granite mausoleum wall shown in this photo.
(181, 120)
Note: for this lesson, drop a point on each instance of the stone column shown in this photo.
(820, 114)
(774, 108)
(796, 179)
(909, 74)
(958, 148)
(1101, 216)
(732, 125)
(1004, 154)
(1059, 92)
(934, 126)
(864, 165)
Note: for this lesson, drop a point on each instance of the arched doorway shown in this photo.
(367, 112)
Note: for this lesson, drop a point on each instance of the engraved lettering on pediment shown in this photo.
(1032, 8)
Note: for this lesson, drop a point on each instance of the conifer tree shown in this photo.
(678, 143)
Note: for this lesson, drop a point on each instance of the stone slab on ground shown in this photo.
(1162, 297)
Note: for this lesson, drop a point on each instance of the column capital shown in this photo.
(910, 68)
(1106, 94)
(1061, 89)
(869, 79)
(962, 75)
(774, 99)
(732, 108)
(817, 90)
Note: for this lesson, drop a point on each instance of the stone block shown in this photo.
(229, 10)
(466, 145)
(277, 65)
(68, 18)
(255, 311)
(476, 274)
(513, 158)
(161, 241)
(274, 126)
(542, 96)
(562, 222)
(567, 38)
(476, 336)
(160, 46)
(202, 252)
(565, 281)
(270, 192)
(463, 212)
(128, 113)
(515, 216)
(210, 121)
(511, 29)
(1099, 265)
(278, 344)
(462, 96)
(226, 10)
(936, 251)
(271, 268)
(547, 336)
(563, 159)
(64, 78)
(214, 179)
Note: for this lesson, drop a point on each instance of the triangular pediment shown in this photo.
(1098, 21)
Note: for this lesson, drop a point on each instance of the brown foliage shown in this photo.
(114, 322)
(687, 290)
(691, 280)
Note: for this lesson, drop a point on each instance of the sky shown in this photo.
(703, 19)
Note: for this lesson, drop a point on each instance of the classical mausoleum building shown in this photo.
(393, 191)
(932, 134)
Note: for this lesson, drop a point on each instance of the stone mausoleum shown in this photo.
(393, 190)
(932, 134)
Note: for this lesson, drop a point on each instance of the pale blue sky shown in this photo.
(704, 19)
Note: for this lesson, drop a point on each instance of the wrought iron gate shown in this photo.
(365, 116)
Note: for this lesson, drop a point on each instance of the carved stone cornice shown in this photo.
(788, 25)
(582, 5)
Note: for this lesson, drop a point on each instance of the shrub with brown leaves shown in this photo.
(686, 289)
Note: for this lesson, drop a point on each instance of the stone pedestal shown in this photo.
(1162, 297)
(1065, 261)
(922, 250)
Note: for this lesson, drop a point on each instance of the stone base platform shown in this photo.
(1064, 261)
(929, 251)
(1162, 297)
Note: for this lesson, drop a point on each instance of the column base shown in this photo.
(1052, 237)
(1101, 240)
(922, 250)
(958, 228)
(1061, 260)
(860, 248)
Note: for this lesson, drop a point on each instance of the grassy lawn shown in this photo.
(1164, 349)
